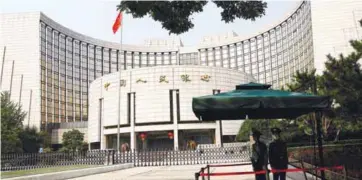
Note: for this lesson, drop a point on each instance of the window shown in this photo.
(144, 60)
(129, 60)
(174, 58)
(210, 57)
(98, 61)
(106, 61)
(151, 59)
(188, 58)
(114, 64)
(91, 63)
(136, 59)
(158, 59)
(167, 58)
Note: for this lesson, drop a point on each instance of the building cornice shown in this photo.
(238, 39)
(155, 49)
(98, 42)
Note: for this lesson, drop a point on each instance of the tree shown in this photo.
(262, 125)
(45, 140)
(73, 141)
(12, 117)
(175, 16)
(30, 139)
(309, 82)
(306, 81)
(343, 79)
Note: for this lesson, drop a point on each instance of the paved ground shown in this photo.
(169, 173)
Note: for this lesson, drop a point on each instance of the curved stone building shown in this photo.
(157, 101)
(48, 68)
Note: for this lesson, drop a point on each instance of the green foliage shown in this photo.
(262, 125)
(306, 81)
(45, 139)
(309, 82)
(175, 16)
(47, 150)
(14, 137)
(73, 141)
(342, 80)
(243, 134)
(12, 117)
(84, 146)
(30, 139)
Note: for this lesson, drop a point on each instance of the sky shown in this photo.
(95, 18)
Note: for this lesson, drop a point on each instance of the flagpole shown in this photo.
(119, 91)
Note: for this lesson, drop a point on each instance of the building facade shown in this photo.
(48, 68)
(157, 101)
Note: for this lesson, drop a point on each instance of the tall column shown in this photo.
(133, 133)
(103, 141)
(177, 119)
(101, 118)
(175, 137)
(217, 133)
(133, 137)
(101, 134)
(175, 132)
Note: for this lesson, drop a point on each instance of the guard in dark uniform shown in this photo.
(278, 157)
(259, 155)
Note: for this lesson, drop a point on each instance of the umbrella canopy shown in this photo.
(257, 101)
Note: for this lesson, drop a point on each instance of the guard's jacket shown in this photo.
(259, 156)
(278, 156)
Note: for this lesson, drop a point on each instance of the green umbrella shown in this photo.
(257, 101)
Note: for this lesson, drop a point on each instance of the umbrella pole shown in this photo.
(320, 143)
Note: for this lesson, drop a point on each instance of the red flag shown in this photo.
(117, 23)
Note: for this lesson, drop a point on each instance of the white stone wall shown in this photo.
(20, 34)
(152, 97)
(334, 23)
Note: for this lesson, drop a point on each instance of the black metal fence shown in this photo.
(152, 157)
(164, 157)
(10, 162)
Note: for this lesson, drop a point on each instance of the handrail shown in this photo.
(208, 174)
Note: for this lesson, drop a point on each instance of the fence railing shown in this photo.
(11, 162)
(151, 157)
(161, 157)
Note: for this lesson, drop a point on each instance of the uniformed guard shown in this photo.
(259, 154)
(278, 157)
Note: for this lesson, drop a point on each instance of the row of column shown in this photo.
(175, 130)
(174, 118)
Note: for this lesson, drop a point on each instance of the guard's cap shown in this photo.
(275, 130)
